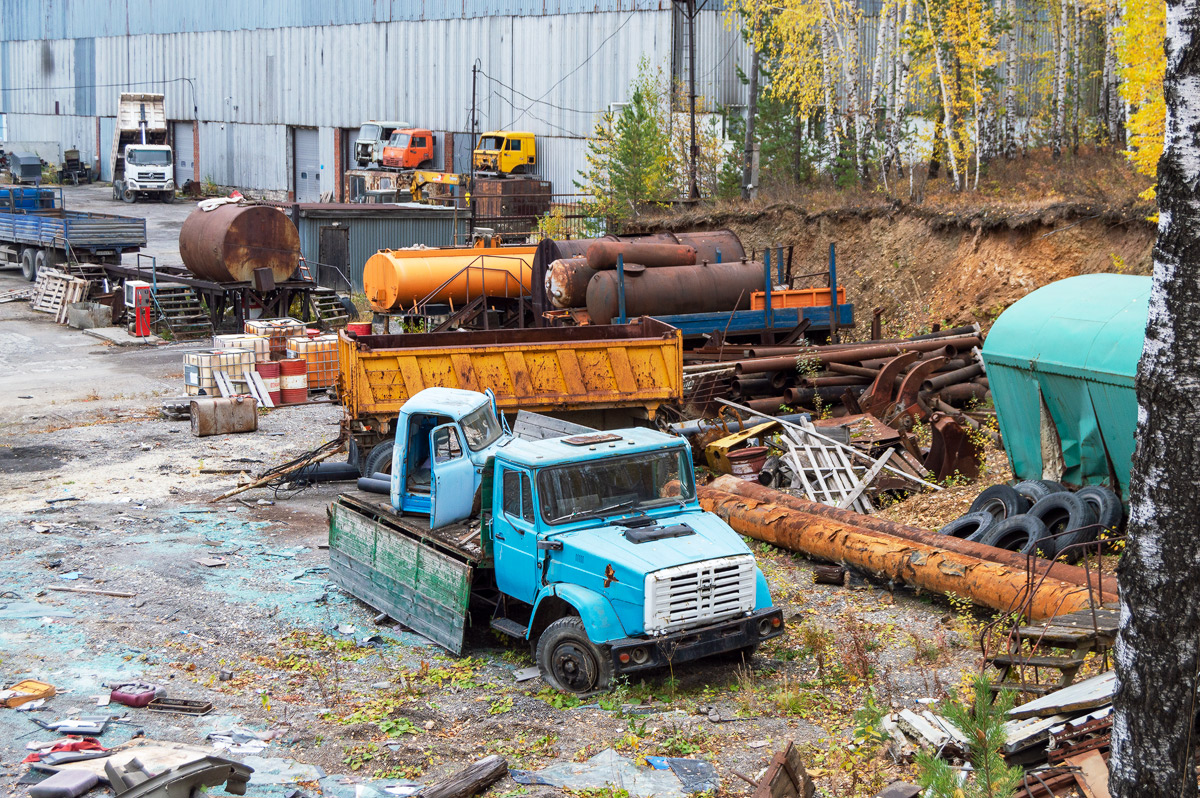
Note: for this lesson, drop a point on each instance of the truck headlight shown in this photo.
(170, 185)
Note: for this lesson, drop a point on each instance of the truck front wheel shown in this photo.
(569, 661)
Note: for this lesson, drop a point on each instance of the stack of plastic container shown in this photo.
(258, 344)
(198, 368)
(277, 331)
(320, 354)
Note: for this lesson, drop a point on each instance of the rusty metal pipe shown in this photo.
(824, 357)
(783, 379)
(769, 405)
(567, 281)
(604, 254)
(830, 393)
(932, 568)
(680, 289)
(857, 371)
(940, 381)
(817, 382)
(963, 392)
(750, 386)
(1071, 574)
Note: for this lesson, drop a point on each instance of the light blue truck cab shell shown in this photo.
(593, 563)
(419, 416)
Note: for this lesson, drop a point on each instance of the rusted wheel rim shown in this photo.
(574, 666)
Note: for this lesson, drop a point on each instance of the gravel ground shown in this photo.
(100, 494)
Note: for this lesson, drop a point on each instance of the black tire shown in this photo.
(168, 197)
(379, 459)
(1105, 504)
(1066, 512)
(969, 526)
(1034, 490)
(128, 196)
(569, 661)
(29, 264)
(1019, 533)
(1001, 502)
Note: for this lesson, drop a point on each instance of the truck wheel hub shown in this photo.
(574, 667)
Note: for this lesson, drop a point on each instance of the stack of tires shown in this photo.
(1024, 517)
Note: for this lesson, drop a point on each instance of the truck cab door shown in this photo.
(514, 536)
(452, 484)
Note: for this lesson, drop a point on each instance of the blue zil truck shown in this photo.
(590, 547)
(37, 232)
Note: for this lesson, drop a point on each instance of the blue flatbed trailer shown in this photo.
(36, 232)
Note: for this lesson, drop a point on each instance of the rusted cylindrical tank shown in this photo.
(567, 281)
(227, 244)
(679, 289)
(604, 254)
(395, 278)
(713, 245)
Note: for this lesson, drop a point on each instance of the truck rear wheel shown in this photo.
(569, 661)
(29, 264)
(379, 459)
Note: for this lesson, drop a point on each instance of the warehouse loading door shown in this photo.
(184, 144)
(306, 180)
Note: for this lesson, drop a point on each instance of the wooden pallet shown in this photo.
(15, 295)
(54, 292)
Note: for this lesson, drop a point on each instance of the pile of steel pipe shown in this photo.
(932, 565)
(886, 377)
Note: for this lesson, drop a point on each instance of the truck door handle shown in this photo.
(550, 545)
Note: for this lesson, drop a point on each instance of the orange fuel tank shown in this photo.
(399, 278)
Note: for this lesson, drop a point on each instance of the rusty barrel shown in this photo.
(604, 254)
(704, 288)
(228, 243)
(567, 281)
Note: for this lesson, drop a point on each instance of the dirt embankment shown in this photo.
(923, 265)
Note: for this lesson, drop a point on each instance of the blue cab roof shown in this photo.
(452, 402)
(555, 451)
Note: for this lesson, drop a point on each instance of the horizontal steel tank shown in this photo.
(399, 278)
(228, 243)
(567, 281)
(604, 254)
(704, 288)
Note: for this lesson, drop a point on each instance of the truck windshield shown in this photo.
(399, 140)
(150, 157)
(369, 132)
(481, 427)
(612, 485)
(491, 143)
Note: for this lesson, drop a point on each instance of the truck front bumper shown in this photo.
(642, 653)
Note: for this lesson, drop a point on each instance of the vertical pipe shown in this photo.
(770, 314)
(620, 289)
(779, 264)
(833, 300)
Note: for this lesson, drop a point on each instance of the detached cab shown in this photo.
(501, 153)
(409, 148)
(590, 547)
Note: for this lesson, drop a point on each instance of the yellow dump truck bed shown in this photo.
(597, 367)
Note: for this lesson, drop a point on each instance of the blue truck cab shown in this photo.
(591, 547)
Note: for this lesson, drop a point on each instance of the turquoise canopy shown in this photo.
(1061, 364)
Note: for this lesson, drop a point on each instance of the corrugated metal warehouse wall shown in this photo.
(251, 71)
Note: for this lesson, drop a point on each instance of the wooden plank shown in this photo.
(414, 583)
(258, 389)
(1088, 694)
(867, 478)
(224, 385)
(536, 427)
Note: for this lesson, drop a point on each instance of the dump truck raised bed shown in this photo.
(628, 369)
(591, 548)
(36, 231)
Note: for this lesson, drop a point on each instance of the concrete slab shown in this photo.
(118, 336)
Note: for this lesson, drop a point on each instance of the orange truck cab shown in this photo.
(409, 148)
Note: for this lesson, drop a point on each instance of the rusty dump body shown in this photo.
(228, 243)
(599, 367)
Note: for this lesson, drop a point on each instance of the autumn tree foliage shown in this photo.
(953, 83)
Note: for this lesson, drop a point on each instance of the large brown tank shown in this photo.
(666, 291)
(227, 244)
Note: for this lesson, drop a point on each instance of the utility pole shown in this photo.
(751, 112)
(693, 186)
(474, 139)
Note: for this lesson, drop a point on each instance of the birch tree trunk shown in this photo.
(1158, 648)
(831, 109)
(854, 88)
(903, 69)
(1060, 84)
(1115, 112)
(1010, 81)
(1076, 77)
(947, 106)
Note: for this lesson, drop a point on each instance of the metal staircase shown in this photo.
(178, 307)
(327, 309)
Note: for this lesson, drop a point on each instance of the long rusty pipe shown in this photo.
(1071, 574)
(938, 570)
(603, 254)
(940, 381)
(855, 354)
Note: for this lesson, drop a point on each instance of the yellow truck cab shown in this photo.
(505, 153)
